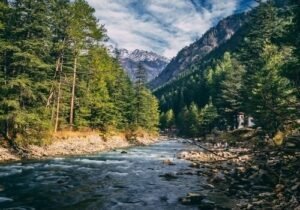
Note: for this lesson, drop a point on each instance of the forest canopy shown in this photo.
(56, 74)
(256, 73)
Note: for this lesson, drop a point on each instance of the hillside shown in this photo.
(255, 72)
(195, 52)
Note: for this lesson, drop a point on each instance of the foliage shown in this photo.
(146, 113)
(208, 117)
(194, 122)
(272, 99)
(225, 82)
(258, 76)
(55, 74)
(167, 120)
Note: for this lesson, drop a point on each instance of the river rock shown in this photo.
(168, 162)
(192, 199)
(249, 206)
(194, 165)
(258, 202)
(279, 188)
(241, 169)
(183, 155)
(208, 186)
(218, 177)
(169, 176)
(266, 194)
(261, 188)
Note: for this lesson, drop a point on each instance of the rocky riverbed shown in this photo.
(225, 171)
(7, 154)
(255, 174)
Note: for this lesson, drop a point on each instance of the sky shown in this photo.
(162, 26)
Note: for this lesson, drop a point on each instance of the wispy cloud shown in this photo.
(162, 26)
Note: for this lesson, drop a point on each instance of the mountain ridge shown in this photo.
(195, 52)
(152, 62)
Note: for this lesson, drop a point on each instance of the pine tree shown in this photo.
(27, 69)
(50, 54)
(83, 31)
(230, 100)
(170, 119)
(193, 121)
(167, 120)
(5, 50)
(260, 29)
(207, 117)
(140, 76)
(292, 39)
(60, 12)
(182, 121)
(272, 99)
(216, 75)
(146, 113)
(140, 82)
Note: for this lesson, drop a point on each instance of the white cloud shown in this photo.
(162, 26)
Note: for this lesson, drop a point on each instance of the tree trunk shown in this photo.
(53, 111)
(73, 94)
(5, 83)
(58, 100)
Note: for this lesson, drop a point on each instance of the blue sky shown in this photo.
(162, 26)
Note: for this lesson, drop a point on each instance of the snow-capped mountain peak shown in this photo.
(143, 55)
(152, 62)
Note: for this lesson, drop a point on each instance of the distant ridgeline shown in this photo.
(256, 71)
(151, 62)
(55, 74)
(197, 51)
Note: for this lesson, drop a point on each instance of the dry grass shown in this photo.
(74, 134)
(67, 134)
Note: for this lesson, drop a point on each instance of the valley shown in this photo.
(150, 104)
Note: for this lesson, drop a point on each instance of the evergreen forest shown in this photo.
(56, 75)
(256, 73)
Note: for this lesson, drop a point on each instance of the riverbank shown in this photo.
(76, 143)
(254, 173)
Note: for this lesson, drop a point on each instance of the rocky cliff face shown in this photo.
(152, 62)
(193, 53)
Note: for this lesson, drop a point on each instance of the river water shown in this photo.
(111, 180)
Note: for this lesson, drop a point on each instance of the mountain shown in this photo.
(152, 62)
(240, 75)
(195, 52)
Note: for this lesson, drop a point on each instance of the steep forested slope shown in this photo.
(256, 72)
(194, 53)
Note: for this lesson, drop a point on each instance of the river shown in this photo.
(111, 180)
